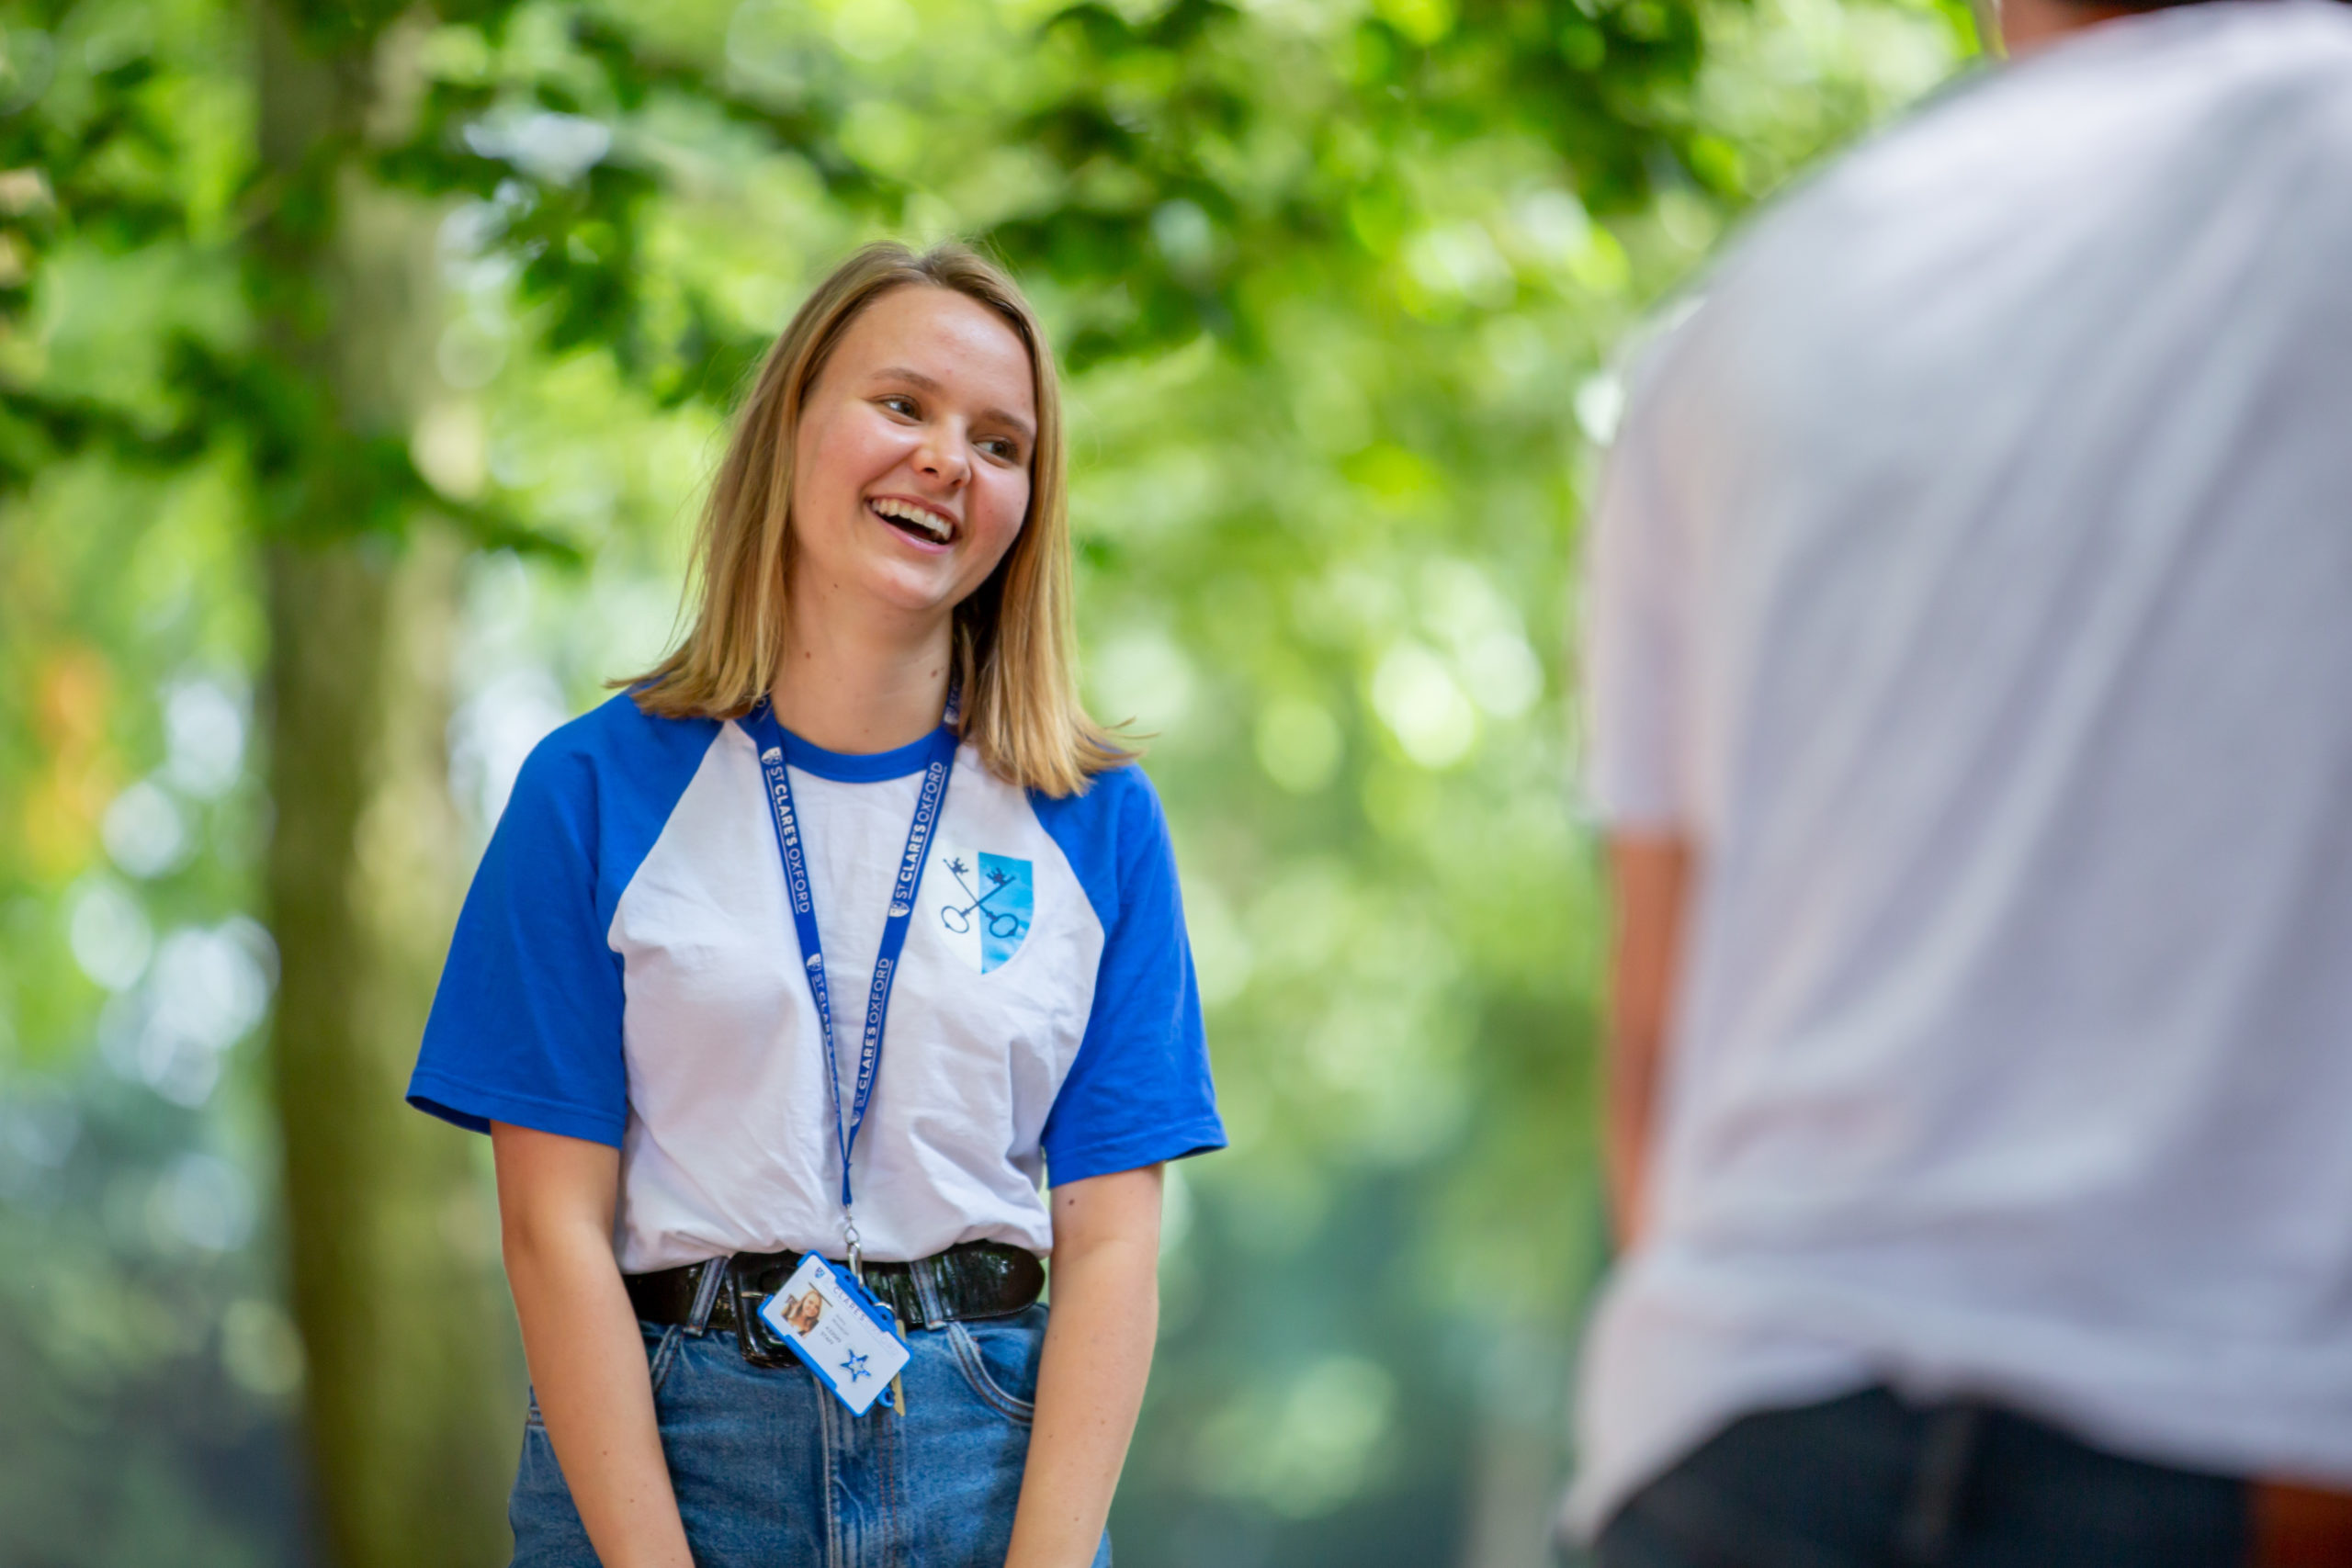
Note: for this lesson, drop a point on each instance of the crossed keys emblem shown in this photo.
(1001, 923)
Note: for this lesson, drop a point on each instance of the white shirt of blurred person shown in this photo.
(1970, 680)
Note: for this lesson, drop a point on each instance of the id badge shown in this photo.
(845, 1337)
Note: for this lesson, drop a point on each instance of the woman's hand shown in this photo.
(555, 1211)
(1098, 1355)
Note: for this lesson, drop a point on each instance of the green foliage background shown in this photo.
(1339, 284)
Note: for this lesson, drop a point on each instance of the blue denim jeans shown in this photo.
(771, 1470)
(1870, 1482)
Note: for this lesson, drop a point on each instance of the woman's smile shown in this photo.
(927, 527)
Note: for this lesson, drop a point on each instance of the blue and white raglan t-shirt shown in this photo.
(626, 971)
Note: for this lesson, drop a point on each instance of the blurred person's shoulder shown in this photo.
(2022, 218)
(2186, 94)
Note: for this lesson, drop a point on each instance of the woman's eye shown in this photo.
(904, 407)
(1002, 450)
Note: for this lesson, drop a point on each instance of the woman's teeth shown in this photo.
(920, 518)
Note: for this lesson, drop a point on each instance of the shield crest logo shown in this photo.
(984, 904)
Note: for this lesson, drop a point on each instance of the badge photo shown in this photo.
(834, 1327)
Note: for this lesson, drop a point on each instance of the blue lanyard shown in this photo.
(938, 765)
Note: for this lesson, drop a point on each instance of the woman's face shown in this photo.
(911, 475)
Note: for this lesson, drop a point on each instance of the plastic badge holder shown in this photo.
(838, 1331)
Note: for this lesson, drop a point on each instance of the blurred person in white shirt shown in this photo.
(1969, 674)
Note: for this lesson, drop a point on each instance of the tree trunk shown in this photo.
(411, 1411)
(410, 1396)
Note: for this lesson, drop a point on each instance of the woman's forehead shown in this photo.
(945, 340)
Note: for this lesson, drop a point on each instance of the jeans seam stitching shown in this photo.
(886, 1442)
(836, 1546)
(976, 1372)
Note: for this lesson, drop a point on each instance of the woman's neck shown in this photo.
(855, 682)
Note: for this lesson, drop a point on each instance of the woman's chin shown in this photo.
(895, 585)
(913, 595)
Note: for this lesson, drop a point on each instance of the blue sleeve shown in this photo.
(1139, 1090)
(525, 1027)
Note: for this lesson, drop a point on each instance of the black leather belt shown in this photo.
(976, 1280)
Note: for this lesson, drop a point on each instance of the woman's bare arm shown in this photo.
(555, 1209)
(1651, 875)
(1098, 1356)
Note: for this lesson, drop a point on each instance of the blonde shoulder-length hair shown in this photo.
(1013, 642)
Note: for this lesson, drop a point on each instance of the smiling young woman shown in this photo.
(864, 772)
(1010, 631)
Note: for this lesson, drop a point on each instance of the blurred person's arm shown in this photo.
(1645, 584)
(1650, 877)
(556, 1197)
(1098, 1354)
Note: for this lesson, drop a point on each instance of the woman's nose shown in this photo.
(943, 454)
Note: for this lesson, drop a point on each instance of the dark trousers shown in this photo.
(1870, 1482)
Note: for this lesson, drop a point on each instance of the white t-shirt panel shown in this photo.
(729, 1093)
